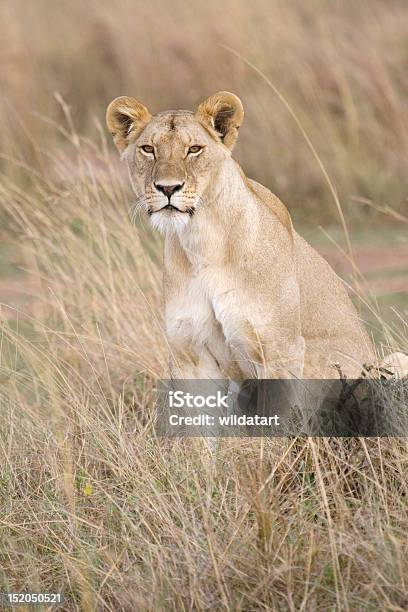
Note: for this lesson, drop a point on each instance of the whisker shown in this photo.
(200, 200)
(135, 208)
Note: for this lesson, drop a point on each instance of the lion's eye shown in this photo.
(147, 149)
(195, 149)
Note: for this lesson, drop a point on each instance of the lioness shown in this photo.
(245, 295)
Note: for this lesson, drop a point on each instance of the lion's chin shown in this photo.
(169, 221)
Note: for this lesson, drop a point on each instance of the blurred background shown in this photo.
(342, 66)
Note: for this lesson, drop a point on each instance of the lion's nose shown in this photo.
(168, 190)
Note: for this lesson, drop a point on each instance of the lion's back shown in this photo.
(329, 321)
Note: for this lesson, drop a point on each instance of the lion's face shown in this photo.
(171, 163)
(174, 156)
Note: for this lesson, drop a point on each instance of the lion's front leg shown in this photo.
(189, 341)
(276, 358)
(195, 372)
(269, 353)
(189, 362)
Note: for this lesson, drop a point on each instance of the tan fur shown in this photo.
(245, 295)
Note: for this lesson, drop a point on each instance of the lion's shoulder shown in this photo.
(273, 202)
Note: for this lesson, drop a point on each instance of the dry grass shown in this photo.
(91, 502)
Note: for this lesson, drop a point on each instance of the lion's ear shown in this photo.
(126, 117)
(223, 112)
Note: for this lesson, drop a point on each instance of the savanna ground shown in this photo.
(91, 502)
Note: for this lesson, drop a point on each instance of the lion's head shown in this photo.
(173, 157)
